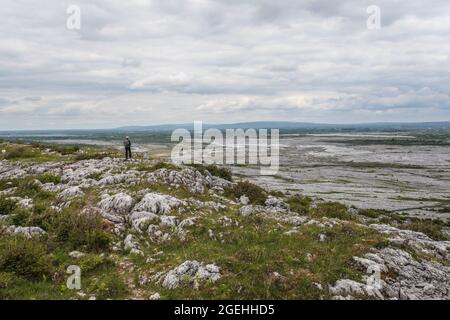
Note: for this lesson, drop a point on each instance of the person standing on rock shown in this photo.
(127, 145)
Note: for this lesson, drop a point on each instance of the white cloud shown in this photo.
(139, 62)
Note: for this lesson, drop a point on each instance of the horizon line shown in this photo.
(234, 123)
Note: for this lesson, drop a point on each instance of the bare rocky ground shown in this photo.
(409, 178)
(147, 230)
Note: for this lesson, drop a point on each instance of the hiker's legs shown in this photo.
(127, 153)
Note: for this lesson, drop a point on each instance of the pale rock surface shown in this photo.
(193, 272)
(28, 232)
(160, 204)
(70, 193)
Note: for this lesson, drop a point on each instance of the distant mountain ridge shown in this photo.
(293, 125)
(282, 125)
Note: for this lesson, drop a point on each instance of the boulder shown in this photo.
(158, 203)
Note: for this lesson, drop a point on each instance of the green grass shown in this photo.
(249, 256)
(26, 153)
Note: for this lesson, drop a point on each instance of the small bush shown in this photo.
(300, 204)
(21, 152)
(221, 172)
(256, 194)
(107, 286)
(372, 213)
(20, 217)
(432, 228)
(24, 257)
(7, 206)
(75, 229)
(27, 187)
(49, 178)
(43, 216)
(332, 210)
(94, 262)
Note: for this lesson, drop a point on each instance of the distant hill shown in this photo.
(286, 125)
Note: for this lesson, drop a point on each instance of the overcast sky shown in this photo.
(142, 62)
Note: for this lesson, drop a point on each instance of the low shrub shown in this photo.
(7, 206)
(107, 286)
(94, 262)
(49, 178)
(332, 210)
(221, 172)
(24, 257)
(20, 152)
(20, 217)
(256, 194)
(300, 204)
(43, 216)
(76, 229)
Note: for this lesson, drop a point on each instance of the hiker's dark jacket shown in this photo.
(127, 143)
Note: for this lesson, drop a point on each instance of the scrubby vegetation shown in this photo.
(49, 178)
(300, 204)
(255, 193)
(218, 171)
(7, 206)
(86, 231)
(332, 210)
(24, 258)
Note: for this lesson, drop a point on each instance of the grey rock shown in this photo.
(192, 272)
(28, 232)
(158, 203)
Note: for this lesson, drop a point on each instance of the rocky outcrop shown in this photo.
(402, 277)
(277, 203)
(193, 180)
(70, 193)
(131, 177)
(131, 245)
(115, 207)
(192, 272)
(79, 172)
(417, 240)
(158, 203)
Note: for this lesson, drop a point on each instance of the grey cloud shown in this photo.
(221, 60)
